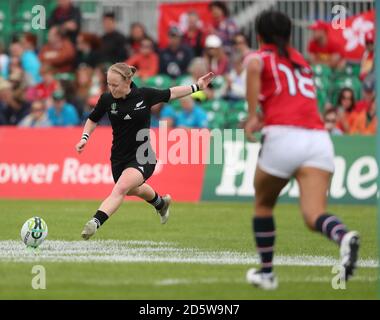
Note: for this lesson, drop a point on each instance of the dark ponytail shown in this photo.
(282, 45)
(274, 27)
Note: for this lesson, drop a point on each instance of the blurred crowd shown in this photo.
(59, 83)
(345, 91)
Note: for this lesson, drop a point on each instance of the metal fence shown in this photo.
(302, 12)
(15, 14)
(126, 12)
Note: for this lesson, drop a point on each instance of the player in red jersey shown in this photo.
(295, 144)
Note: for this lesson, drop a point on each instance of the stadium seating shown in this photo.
(350, 70)
(329, 82)
(65, 76)
(321, 70)
(236, 114)
(218, 82)
(87, 8)
(138, 81)
(215, 120)
(216, 112)
(16, 17)
(5, 22)
(160, 81)
(322, 99)
(218, 105)
(175, 104)
(179, 81)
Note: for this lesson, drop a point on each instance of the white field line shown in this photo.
(167, 282)
(314, 279)
(149, 252)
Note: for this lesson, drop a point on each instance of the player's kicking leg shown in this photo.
(129, 179)
(160, 203)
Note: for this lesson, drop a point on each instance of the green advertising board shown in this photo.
(354, 179)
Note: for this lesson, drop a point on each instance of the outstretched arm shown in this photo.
(182, 91)
(88, 129)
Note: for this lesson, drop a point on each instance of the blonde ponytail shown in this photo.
(123, 69)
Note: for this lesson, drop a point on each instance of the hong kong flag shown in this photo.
(350, 33)
(176, 14)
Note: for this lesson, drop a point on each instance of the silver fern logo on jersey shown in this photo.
(139, 105)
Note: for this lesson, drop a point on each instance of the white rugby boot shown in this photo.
(164, 211)
(266, 281)
(349, 248)
(89, 229)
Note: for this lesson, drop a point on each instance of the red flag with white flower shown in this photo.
(176, 14)
(352, 36)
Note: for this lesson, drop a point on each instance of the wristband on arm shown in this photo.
(195, 87)
(85, 136)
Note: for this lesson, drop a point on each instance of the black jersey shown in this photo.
(127, 117)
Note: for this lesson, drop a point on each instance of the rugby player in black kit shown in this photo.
(128, 108)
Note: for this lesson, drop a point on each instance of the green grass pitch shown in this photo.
(202, 253)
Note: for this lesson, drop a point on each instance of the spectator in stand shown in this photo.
(191, 115)
(324, 50)
(215, 55)
(15, 53)
(70, 94)
(367, 63)
(162, 112)
(368, 90)
(346, 110)
(366, 121)
(240, 45)
(83, 82)
(88, 46)
(59, 52)
(67, 17)
(19, 82)
(29, 58)
(37, 118)
(198, 67)
(146, 60)
(62, 113)
(15, 70)
(330, 118)
(223, 26)
(81, 89)
(175, 58)
(137, 34)
(45, 89)
(17, 77)
(98, 81)
(114, 43)
(236, 79)
(4, 61)
(12, 109)
(194, 35)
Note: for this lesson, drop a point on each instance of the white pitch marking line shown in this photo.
(314, 279)
(151, 252)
